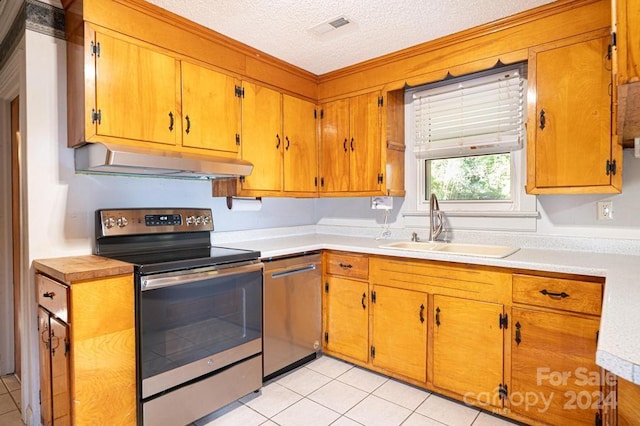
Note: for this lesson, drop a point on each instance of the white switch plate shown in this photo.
(605, 210)
(381, 203)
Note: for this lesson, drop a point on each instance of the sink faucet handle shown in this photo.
(438, 224)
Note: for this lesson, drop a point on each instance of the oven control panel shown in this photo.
(110, 222)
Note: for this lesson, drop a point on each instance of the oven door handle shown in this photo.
(172, 279)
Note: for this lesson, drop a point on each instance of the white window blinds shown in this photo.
(482, 115)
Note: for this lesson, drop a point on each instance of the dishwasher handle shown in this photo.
(294, 271)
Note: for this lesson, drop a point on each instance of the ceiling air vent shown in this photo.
(330, 25)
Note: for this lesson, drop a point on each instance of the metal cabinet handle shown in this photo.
(438, 316)
(554, 295)
(188, 124)
(345, 265)
(49, 294)
(170, 121)
(518, 337)
(344, 144)
(351, 144)
(288, 143)
(278, 144)
(543, 120)
(364, 297)
(422, 313)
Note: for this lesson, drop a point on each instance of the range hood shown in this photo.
(105, 158)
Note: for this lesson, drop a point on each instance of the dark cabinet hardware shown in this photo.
(543, 120)
(237, 138)
(611, 167)
(170, 121)
(351, 144)
(503, 391)
(344, 144)
(322, 181)
(503, 321)
(188, 124)
(278, 139)
(518, 336)
(96, 116)
(364, 297)
(49, 294)
(422, 313)
(438, 316)
(373, 351)
(288, 143)
(345, 265)
(551, 294)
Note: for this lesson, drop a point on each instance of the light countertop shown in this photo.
(619, 339)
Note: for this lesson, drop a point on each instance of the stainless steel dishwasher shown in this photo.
(292, 326)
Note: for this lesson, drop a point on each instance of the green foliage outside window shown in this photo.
(480, 178)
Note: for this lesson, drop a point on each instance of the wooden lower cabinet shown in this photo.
(346, 317)
(554, 377)
(628, 404)
(468, 348)
(399, 338)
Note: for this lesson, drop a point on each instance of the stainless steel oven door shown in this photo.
(192, 323)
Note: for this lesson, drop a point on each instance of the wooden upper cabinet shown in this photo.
(351, 145)
(262, 138)
(210, 109)
(300, 148)
(627, 28)
(135, 92)
(468, 348)
(570, 146)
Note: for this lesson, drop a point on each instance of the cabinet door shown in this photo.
(135, 92)
(570, 117)
(347, 317)
(60, 372)
(300, 150)
(400, 331)
(553, 364)
(46, 409)
(335, 147)
(210, 109)
(364, 144)
(468, 348)
(262, 139)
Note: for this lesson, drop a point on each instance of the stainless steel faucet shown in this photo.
(435, 218)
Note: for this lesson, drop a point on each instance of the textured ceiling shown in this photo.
(281, 27)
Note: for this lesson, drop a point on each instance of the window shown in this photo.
(468, 137)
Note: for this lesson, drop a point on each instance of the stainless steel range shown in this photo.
(198, 311)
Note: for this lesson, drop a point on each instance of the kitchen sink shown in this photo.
(478, 250)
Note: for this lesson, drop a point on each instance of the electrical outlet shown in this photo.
(605, 210)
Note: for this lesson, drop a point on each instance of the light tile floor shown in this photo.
(331, 392)
(10, 401)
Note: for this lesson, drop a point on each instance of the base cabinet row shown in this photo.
(429, 324)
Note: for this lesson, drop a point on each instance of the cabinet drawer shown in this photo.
(53, 296)
(347, 265)
(557, 293)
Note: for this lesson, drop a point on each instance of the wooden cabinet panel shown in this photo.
(399, 329)
(468, 348)
(555, 293)
(300, 150)
(262, 138)
(210, 109)
(627, 26)
(569, 123)
(335, 147)
(365, 143)
(628, 403)
(135, 91)
(553, 359)
(347, 317)
(46, 403)
(60, 370)
(53, 296)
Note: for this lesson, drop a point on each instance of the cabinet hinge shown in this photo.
(597, 336)
(326, 287)
(315, 181)
(373, 351)
(373, 297)
(611, 167)
(242, 179)
(503, 391)
(237, 138)
(504, 321)
(614, 39)
(326, 337)
(239, 91)
(380, 178)
(96, 116)
(95, 49)
(598, 419)
(315, 114)
(321, 114)
(380, 101)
